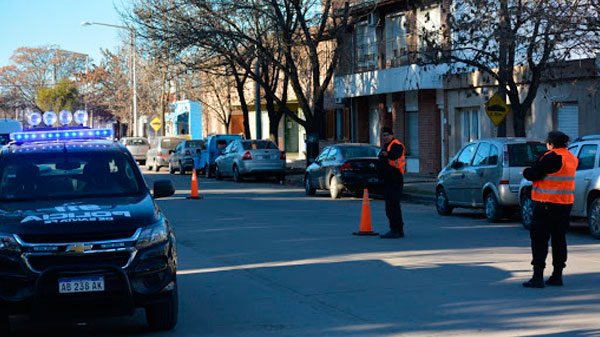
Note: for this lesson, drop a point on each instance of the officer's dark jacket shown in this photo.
(386, 171)
(550, 163)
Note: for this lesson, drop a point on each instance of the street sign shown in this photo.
(496, 109)
(156, 124)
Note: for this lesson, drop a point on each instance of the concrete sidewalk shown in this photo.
(417, 189)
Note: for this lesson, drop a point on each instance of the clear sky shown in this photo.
(36, 23)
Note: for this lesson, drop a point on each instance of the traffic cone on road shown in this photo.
(194, 193)
(365, 217)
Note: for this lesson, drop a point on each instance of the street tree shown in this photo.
(62, 96)
(515, 42)
(240, 33)
(36, 68)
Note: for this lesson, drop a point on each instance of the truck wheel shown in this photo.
(4, 323)
(526, 211)
(218, 175)
(163, 316)
(594, 218)
(493, 211)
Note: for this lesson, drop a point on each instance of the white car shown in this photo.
(587, 185)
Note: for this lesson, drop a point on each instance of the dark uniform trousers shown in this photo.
(393, 194)
(550, 220)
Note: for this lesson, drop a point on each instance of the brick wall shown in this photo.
(429, 133)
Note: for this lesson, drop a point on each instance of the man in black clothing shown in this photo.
(391, 164)
(551, 213)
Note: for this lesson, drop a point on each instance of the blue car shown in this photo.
(214, 146)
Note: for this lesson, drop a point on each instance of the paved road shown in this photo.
(259, 259)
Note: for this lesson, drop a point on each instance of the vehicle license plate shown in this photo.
(260, 157)
(80, 285)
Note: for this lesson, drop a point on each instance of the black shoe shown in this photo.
(533, 283)
(391, 235)
(401, 233)
(554, 280)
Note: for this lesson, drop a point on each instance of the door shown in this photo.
(583, 177)
(330, 165)
(480, 172)
(232, 153)
(319, 173)
(455, 181)
(567, 118)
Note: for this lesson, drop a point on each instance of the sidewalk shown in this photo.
(417, 189)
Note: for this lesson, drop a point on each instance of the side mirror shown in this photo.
(163, 188)
(456, 165)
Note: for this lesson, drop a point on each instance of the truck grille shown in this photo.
(77, 237)
(43, 262)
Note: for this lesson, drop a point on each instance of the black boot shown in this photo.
(537, 281)
(390, 235)
(556, 278)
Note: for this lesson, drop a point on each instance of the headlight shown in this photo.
(152, 235)
(8, 243)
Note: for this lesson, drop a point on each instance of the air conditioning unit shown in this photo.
(372, 19)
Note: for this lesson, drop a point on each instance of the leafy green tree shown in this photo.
(62, 96)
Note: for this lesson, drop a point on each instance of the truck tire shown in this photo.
(163, 316)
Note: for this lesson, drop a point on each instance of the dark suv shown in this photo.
(80, 233)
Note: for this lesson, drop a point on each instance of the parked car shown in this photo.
(158, 154)
(214, 146)
(486, 173)
(242, 158)
(587, 185)
(182, 157)
(344, 167)
(138, 146)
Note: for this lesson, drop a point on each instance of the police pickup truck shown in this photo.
(80, 233)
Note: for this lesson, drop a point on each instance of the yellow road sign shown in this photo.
(156, 124)
(496, 109)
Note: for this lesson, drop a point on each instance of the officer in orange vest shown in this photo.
(392, 166)
(553, 192)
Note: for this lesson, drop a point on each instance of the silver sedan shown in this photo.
(243, 158)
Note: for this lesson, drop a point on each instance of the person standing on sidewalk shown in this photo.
(392, 166)
(553, 193)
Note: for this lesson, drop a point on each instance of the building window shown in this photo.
(411, 133)
(469, 125)
(366, 45)
(429, 27)
(395, 36)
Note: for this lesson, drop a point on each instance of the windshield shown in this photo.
(259, 145)
(136, 141)
(194, 144)
(170, 143)
(359, 151)
(525, 154)
(73, 175)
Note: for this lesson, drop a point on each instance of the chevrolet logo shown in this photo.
(78, 248)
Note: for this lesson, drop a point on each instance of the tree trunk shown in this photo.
(519, 113)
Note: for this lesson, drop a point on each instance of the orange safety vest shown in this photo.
(557, 187)
(399, 163)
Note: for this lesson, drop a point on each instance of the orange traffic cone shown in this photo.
(194, 194)
(365, 217)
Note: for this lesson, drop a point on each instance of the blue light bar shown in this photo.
(41, 136)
